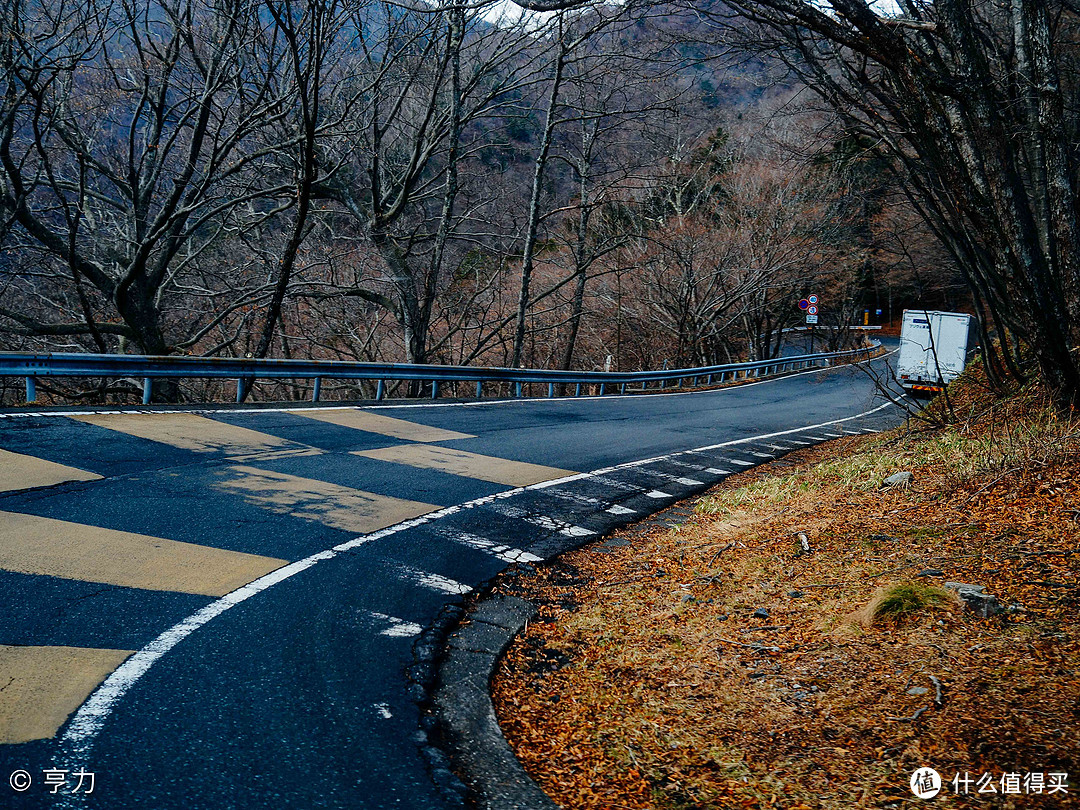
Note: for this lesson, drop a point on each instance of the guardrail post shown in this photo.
(31, 390)
(551, 390)
(147, 390)
(316, 389)
(517, 389)
(709, 380)
(602, 389)
(434, 389)
(577, 390)
(239, 389)
(622, 388)
(479, 389)
(380, 390)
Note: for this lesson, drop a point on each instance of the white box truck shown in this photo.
(934, 348)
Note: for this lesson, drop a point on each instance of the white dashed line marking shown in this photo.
(503, 552)
(620, 510)
(718, 471)
(816, 438)
(560, 527)
(435, 582)
(657, 494)
(694, 467)
(741, 463)
(398, 628)
(543, 521)
(573, 497)
(383, 710)
(616, 484)
(761, 455)
(688, 482)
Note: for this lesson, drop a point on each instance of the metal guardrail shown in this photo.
(33, 366)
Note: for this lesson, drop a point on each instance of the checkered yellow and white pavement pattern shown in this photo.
(114, 525)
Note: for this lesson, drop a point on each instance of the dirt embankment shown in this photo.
(720, 661)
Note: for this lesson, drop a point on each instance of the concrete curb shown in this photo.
(466, 715)
(468, 756)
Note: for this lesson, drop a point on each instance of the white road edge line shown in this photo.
(87, 722)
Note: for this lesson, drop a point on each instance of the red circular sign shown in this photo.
(812, 310)
(803, 304)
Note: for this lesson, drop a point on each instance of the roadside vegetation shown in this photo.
(716, 662)
(607, 186)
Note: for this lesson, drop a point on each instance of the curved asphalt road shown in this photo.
(126, 542)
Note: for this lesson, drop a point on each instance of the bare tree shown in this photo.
(129, 139)
(973, 103)
(427, 82)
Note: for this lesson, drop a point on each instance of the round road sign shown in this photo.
(803, 304)
(812, 299)
(811, 310)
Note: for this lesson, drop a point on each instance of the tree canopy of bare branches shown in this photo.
(974, 104)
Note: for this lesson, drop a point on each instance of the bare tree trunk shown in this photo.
(534, 201)
(308, 78)
(581, 263)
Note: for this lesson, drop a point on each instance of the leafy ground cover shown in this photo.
(710, 660)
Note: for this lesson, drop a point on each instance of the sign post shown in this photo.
(811, 307)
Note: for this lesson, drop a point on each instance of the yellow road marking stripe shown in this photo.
(460, 462)
(36, 545)
(351, 510)
(41, 686)
(189, 431)
(18, 471)
(383, 425)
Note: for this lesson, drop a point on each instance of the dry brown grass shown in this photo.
(648, 682)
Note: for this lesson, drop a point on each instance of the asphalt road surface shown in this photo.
(217, 609)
